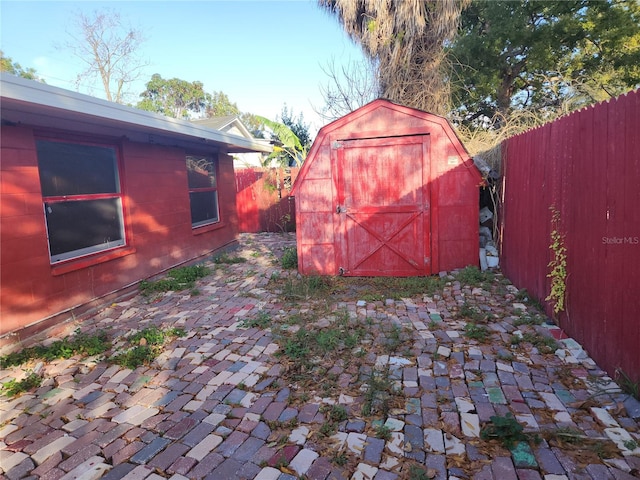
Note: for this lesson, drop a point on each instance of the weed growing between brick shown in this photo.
(323, 343)
(543, 343)
(15, 387)
(77, 344)
(627, 384)
(505, 429)
(226, 259)
(477, 332)
(178, 279)
(289, 258)
(262, 320)
(80, 344)
(144, 346)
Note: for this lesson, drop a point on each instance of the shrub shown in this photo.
(290, 258)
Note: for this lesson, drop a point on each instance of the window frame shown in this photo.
(100, 252)
(207, 224)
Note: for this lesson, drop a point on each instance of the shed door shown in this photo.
(383, 206)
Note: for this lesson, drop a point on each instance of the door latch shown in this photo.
(341, 209)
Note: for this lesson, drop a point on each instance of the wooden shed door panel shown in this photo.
(384, 206)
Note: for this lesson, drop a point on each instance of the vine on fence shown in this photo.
(558, 264)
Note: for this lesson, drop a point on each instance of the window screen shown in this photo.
(203, 190)
(81, 198)
(72, 169)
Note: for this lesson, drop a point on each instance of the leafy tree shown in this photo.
(543, 55)
(174, 97)
(297, 126)
(254, 124)
(9, 66)
(291, 139)
(108, 49)
(219, 105)
(405, 41)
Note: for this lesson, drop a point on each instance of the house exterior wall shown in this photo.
(157, 223)
(453, 185)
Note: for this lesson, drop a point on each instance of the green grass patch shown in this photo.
(77, 344)
(383, 432)
(340, 459)
(305, 287)
(505, 429)
(543, 343)
(528, 320)
(178, 279)
(145, 346)
(289, 258)
(394, 339)
(154, 336)
(377, 397)
(261, 320)
(471, 312)
(474, 277)
(476, 332)
(15, 387)
(226, 259)
(334, 413)
(418, 472)
(406, 287)
(299, 346)
(328, 340)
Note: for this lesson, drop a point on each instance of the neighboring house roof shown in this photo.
(230, 124)
(40, 105)
(225, 123)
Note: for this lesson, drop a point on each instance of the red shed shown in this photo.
(387, 190)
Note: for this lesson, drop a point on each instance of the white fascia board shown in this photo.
(29, 91)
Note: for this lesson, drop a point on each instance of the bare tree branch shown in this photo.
(108, 49)
(348, 88)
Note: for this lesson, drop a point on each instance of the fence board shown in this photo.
(262, 199)
(587, 165)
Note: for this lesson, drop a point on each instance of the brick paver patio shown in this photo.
(224, 401)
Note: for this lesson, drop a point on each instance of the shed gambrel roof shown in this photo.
(368, 110)
(37, 104)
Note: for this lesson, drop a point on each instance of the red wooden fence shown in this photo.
(262, 199)
(587, 165)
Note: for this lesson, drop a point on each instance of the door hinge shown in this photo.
(341, 209)
(336, 145)
(341, 271)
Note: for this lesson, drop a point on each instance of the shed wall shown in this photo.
(453, 184)
(315, 217)
(157, 215)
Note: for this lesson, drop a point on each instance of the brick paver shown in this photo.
(221, 402)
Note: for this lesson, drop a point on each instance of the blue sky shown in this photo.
(262, 54)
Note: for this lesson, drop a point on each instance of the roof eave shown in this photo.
(28, 94)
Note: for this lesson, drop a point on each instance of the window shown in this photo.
(81, 197)
(203, 190)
